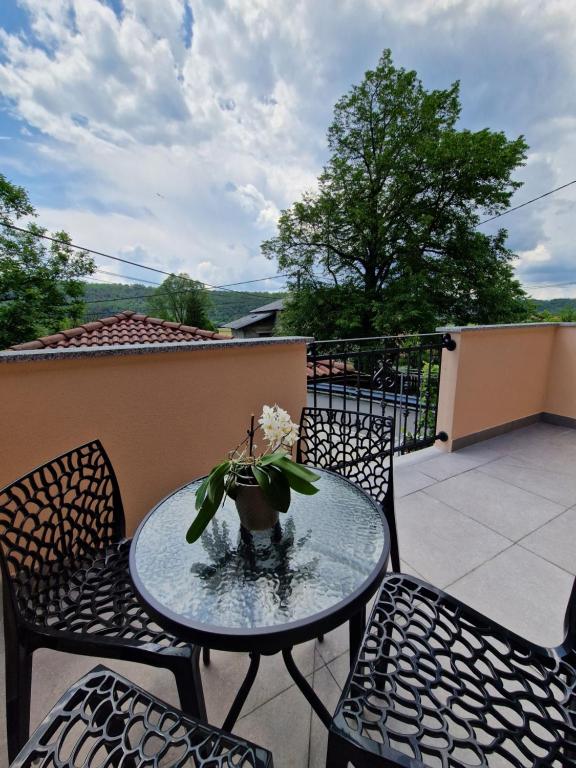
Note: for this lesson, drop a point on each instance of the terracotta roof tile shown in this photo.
(93, 326)
(126, 327)
(327, 368)
(29, 345)
(53, 339)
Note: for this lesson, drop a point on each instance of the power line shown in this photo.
(126, 277)
(528, 202)
(552, 285)
(127, 261)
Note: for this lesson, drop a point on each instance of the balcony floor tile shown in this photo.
(555, 486)
(441, 543)
(555, 541)
(521, 591)
(506, 509)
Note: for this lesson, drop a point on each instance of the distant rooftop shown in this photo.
(126, 327)
(274, 306)
(257, 315)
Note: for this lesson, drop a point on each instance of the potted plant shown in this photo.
(260, 484)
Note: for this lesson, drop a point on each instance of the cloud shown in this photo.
(182, 128)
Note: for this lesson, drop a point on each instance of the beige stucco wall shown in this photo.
(561, 389)
(500, 374)
(163, 418)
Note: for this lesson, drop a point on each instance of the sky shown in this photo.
(173, 133)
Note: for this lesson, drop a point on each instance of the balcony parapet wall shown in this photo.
(501, 377)
(165, 413)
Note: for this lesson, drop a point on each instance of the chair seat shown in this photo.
(104, 720)
(436, 684)
(92, 595)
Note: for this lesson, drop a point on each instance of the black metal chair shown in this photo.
(438, 685)
(66, 582)
(105, 720)
(358, 446)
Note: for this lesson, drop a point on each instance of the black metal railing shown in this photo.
(395, 376)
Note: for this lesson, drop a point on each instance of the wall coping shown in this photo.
(503, 326)
(111, 350)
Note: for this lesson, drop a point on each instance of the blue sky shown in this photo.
(172, 133)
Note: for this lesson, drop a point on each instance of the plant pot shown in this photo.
(255, 511)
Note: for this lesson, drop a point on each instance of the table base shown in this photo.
(295, 674)
(356, 628)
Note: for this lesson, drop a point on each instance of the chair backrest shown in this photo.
(356, 445)
(65, 509)
(359, 446)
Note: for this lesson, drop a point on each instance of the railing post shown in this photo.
(448, 342)
(312, 357)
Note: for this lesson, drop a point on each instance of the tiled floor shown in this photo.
(494, 524)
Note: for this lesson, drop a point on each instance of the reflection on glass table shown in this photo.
(265, 596)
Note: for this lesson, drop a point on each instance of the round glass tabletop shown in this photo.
(332, 553)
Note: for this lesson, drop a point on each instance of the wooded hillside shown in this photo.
(102, 300)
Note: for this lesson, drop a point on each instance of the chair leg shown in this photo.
(189, 683)
(356, 627)
(18, 691)
(336, 757)
(206, 656)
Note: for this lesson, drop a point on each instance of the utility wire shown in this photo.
(528, 202)
(127, 261)
(126, 277)
(552, 285)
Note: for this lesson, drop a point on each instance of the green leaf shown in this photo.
(201, 492)
(271, 458)
(261, 477)
(301, 486)
(278, 491)
(297, 470)
(216, 480)
(204, 515)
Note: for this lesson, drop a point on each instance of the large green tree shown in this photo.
(182, 300)
(41, 286)
(388, 242)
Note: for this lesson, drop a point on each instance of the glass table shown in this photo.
(267, 595)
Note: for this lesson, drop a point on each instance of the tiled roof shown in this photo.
(124, 328)
(251, 319)
(327, 368)
(257, 315)
(274, 306)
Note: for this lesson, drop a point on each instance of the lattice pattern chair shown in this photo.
(66, 582)
(358, 446)
(104, 721)
(438, 685)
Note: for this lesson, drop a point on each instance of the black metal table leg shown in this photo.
(242, 694)
(306, 688)
(356, 627)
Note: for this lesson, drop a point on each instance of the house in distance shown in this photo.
(259, 323)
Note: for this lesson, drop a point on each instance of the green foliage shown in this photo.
(182, 300)
(552, 311)
(107, 299)
(275, 473)
(224, 305)
(430, 378)
(392, 226)
(41, 288)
